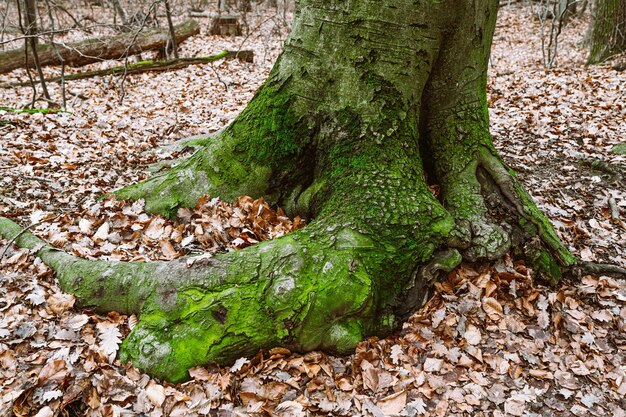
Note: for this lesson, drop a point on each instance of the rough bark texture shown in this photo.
(95, 50)
(608, 35)
(370, 102)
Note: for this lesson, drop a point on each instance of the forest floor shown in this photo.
(490, 342)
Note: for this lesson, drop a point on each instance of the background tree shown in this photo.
(608, 32)
(553, 16)
(370, 105)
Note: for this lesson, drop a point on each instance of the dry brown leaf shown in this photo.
(492, 307)
(393, 404)
(102, 233)
(155, 393)
(541, 374)
(370, 376)
(61, 302)
(472, 335)
(45, 412)
(53, 370)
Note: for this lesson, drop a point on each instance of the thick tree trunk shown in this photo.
(370, 102)
(608, 34)
(96, 50)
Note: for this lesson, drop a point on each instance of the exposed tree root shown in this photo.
(592, 268)
(533, 235)
(323, 287)
(317, 288)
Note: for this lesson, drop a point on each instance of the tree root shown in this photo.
(596, 269)
(613, 171)
(104, 285)
(316, 288)
(419, 289)
(532, 222)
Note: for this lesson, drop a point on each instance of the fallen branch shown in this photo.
(198, 14)
(95, 50)
(145, 66)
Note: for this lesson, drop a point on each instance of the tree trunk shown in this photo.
(119, 11)
(608, 33)
(30, 19)
(96, 50)
(370, 103)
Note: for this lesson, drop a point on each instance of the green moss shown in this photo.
(343, 337)
(620, 149)
(546, 265)
(528, 227)
(305, 200)
(444, 226)
(545, 230)
(31, 111)
(140, 64)
(273, 130)
(449, 260)
(265, 142)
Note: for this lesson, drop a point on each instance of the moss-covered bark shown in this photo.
(370, 102)
(608, 34)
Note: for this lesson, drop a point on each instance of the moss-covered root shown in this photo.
(104, 285)
(262, 153)
(542, 246)
(322, 287)
(215, 169)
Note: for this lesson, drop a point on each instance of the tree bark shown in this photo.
(608, 33)
(172, 49)
(370, 102)
(95, 50)
(119, 11)
(30, 19)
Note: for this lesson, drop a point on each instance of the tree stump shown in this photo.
(225, 25)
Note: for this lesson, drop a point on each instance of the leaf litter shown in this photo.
(490, 341)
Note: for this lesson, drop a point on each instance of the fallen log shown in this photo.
(98, 49)
(144, 66)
